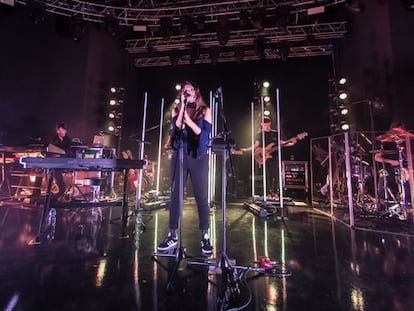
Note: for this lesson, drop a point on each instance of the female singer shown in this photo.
(191, 127)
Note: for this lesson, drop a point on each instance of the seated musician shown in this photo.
(62, 141)
(272, 166)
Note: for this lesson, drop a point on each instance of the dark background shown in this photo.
(46, 78)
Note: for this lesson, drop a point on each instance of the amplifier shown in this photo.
(295, 175)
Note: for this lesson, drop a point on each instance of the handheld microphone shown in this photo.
(186, 94)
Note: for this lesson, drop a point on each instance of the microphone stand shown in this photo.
(180, 252)
(230, 274)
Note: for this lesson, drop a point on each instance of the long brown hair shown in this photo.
(198, 111)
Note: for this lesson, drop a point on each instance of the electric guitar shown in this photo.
(272, 147)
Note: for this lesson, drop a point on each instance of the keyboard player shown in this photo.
(61, 139)
(64, 142)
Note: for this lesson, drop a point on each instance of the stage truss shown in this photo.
(301, 35)
(130, 13)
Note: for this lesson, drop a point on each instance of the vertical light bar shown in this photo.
(311, 170)
(263, 150)
(266, 247)
(214, 155)
(213, 233)
(349, 180)
(254, 239)
(253, 141)
(210, 159)
(331, 198)
(279, 150)
(141, 154)
(283, 260)
(410, 169)
(157, 189)
(282, 252)
(211, 155)
(155, 267)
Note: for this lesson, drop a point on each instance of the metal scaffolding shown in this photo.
(234, 30)
(303, 51)
(321, 31)
(151, 11)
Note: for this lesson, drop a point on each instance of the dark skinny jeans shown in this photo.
(197, 168)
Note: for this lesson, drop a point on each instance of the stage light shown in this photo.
(76, 29)
(244, 18)
(266, 113)
(112, 102)
(282, 16)
(174, 58)
(187, 25)
(344, 111)
(223, 30)
(345, 127)
(111, 25)
(238, 54)
(201, 22)
(257, 19)
(176, 101)
(195, 52)
(111, 127)
(32, 178)
(283, 48)
(111, 115)
(266, 99)
(113, 90)
(343, 95)
(266, 84)
(259, 48)
(166, 27)
(37, 13)
(178, 87)
(214, 54)
(354, 6)
(150, 47)
(342, 81)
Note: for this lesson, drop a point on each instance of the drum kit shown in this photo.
(393, 177)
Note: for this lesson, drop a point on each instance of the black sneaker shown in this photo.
(168, 244)
(206, 247)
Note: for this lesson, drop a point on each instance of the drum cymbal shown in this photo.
(384, 151)
(388, 138)
(394, 135)
(406, 135)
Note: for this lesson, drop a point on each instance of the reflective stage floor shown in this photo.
(88, 267)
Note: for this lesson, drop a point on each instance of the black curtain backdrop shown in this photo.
(46, 77)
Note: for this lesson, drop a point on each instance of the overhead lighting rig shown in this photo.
(166, 30)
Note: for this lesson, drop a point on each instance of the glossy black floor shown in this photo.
(87, 266)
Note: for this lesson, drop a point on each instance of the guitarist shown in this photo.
(272, 167)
